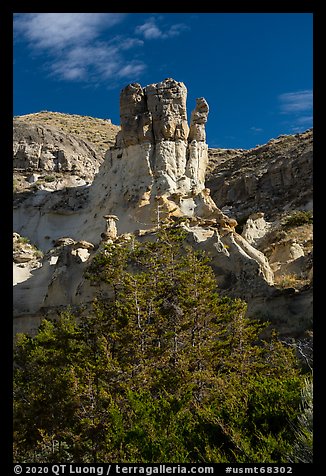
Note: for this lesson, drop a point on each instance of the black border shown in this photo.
(6, 47)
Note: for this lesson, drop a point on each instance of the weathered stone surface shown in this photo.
(152, 158)
(84, 245)
(136, 121)
(110, 232)
(255, 228)
(237, 265)
(155, 135)
(167, 104)
(254, 254)
(40, 148)
(99, 133)
(157, 115)
(196, 165)
(154, 113)
(26, 259)
(198, 120)
(64, 241)
(286, 251)
(267, 178)
(23, 251)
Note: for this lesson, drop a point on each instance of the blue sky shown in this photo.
(254, 69)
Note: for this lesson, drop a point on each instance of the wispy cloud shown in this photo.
(72, 43)
(150, 30)
(302, 123)
(256, 129)
(298, 107)
(296, 102)
(304, 120)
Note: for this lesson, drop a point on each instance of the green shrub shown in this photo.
(298, 218)
(49, 178)
(23, 240)
(303, 444)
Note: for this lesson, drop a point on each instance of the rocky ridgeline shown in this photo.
(100, 133)
(154, 175)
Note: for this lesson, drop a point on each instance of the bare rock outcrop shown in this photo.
(154, 118)
(255, 228)
(38, 148)
(198, 120)
(272, 177)
(157, 166)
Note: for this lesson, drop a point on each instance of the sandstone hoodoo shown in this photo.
(111, 231)
(162, 154)
(153, 176)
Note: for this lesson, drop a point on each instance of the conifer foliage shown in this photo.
(164, 370)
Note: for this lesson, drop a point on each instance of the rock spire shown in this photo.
(157, 154)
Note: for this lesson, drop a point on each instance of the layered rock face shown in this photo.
(268, 177)
(46, 149)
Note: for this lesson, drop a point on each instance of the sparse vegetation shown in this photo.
(49, 178)
(298, 218)
(23, 240)
(290, 280)
(303, 446)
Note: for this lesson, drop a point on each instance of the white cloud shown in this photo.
(304, 120)
(72, 73)
(71, 41)
(256, 129)
(126, 43)
(296, 102)
(101, 61)
(133, 68)
(298, 106)
(151, 31)
(61, 30)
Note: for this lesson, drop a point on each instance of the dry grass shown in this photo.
(290, 281)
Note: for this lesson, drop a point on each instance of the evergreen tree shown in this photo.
(165, 370)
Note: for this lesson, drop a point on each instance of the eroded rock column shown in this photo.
(157, 154)
(154, 123)
(135, 119)
(198, 149)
